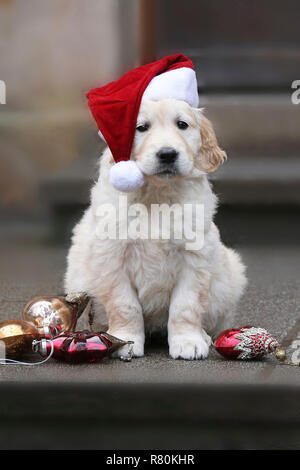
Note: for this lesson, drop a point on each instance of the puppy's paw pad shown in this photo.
(189, 347)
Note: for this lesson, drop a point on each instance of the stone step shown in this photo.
(259, 132)
(255, 124)
(148, 416)
(260, 135)
(234, 44)
(155, 402)
(246, 124)
(260, 180)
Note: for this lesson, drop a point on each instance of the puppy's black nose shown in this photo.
(167, 155)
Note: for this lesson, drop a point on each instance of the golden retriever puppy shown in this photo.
(141, 282)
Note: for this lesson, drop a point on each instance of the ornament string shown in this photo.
(5, 361)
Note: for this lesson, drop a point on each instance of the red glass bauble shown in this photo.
(244, 343)
(80, 347)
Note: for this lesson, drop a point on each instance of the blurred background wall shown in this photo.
(52, 53)
(246, 53)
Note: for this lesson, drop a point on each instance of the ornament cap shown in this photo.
(40, 347)
(281, 355)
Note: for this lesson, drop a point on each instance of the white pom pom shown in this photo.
(126, 176)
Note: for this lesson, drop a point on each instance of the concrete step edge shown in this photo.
(152, 402)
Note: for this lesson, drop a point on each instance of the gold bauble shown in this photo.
(17, 336)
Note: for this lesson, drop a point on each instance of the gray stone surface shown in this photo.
(155, 402)
(271, 301)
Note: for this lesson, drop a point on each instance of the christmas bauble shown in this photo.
(80, 347)
(18, 335)
(49, 331)
(247, 342)
(45, 311)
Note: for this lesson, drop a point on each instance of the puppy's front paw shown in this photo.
(189, 346)
(137, 347)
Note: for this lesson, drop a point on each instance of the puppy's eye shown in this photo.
(182, 125)
(143, 127)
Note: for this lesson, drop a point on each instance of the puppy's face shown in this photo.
(173, 139)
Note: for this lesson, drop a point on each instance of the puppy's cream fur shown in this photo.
(140, 285)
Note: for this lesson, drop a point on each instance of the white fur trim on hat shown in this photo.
(126, 176)
(101, 135)
(180, 84)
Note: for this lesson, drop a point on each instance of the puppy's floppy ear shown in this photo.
(210, 155)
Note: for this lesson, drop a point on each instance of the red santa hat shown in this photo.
(115, 108)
